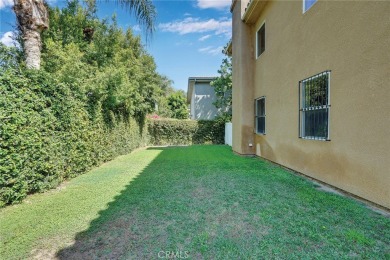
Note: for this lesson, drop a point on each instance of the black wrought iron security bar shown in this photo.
(314, 107)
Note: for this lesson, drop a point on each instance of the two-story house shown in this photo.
(201, 97)
(311, 89)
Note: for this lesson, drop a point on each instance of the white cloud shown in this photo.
(211, 50)
(195, 25)
(217, 4)
(6, 3)
(184, 43)
(8, 40)
(136, 28)
(203, 38)
(9, 3)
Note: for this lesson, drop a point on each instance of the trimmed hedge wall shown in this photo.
(47, 135)
(185, 132)
(50, 132)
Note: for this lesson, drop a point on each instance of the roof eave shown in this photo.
(233, 5)
(229, 49)
(253, 10)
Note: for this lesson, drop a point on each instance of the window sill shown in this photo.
(314, 138)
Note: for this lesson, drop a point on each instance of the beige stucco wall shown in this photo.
(243, 82)
(352, 39)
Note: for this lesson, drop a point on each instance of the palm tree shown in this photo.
(32, 18)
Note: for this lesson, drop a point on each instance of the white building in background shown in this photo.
(201, 96)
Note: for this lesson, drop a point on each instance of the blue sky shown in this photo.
(189, 37)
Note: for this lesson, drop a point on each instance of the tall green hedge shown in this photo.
(184, 132)
(50, 131)
(47, 134)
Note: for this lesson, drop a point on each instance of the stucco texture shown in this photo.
(350, 38)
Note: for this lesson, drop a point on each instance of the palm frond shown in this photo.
(144, 11)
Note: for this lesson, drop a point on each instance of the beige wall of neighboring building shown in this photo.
(350, 38)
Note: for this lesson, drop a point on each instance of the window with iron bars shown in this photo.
(314, 107)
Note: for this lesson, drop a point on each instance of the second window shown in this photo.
(260, 115)
(260, 41)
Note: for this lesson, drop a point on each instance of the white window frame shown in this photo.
(303, 108)
(304, 10)
(257, 40)
(257, 116)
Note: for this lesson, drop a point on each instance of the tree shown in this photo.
(111, 69)
(9, 57)
(223, 88)
(165, 90)
(177, 103)
(32, 18)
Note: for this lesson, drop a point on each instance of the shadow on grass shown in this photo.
(203, 202)
(170, 206)
(128, 226)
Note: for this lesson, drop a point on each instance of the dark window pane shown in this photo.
(260, 115)
(262, 30)
(258, 108)
(262, 107)
(308, 123)
(258, 43)
(261, 125)
(316, 123)
(261, 40)
(322, 127)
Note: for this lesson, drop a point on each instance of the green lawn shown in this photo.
(201, 201)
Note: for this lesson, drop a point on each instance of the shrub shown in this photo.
(51, 131)
(47, 134)
(185, 132)
(86, 106)
(210, 132)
